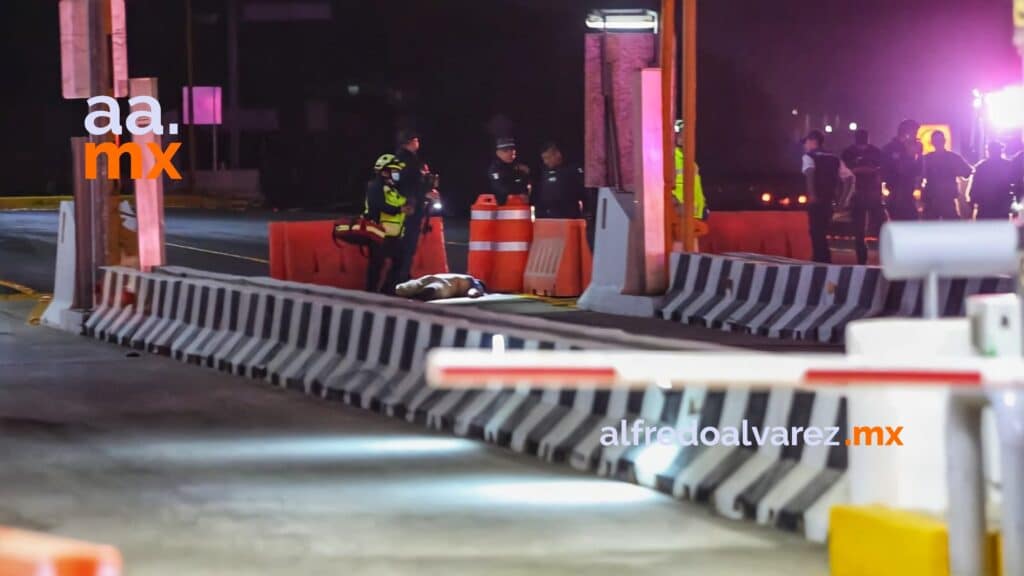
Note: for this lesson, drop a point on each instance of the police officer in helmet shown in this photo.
(506, 175)
(386, 204)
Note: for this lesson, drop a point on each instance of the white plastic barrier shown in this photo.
(611, 256)
(56, 315)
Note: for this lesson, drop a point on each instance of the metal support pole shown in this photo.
(966, 484)
(190, 75)
(91, 215)
(668, 111)
(1009, 410)
(689, 120)
(233, 86)
(84, 263)
(930, 297)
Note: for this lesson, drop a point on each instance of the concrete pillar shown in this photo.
(149, 194)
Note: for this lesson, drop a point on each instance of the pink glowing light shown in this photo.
(1006, 108)
(208, 105)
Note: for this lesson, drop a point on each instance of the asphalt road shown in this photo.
(236, 243)
(209, 240)
(189, 471)
(229, 242)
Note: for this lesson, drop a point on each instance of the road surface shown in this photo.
(189, 471)
(236, 243)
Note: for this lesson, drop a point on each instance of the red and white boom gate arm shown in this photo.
(468, 369)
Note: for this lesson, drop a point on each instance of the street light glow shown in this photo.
(623, 20)
(1006, 108)
(853, 126)
(829, 129)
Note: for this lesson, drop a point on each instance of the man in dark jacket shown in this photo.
(991, 183)
(825, 174)
(901, 171)
(866, 211)
(560, 192)
(412, 184)
(506, 175)
(942, 171)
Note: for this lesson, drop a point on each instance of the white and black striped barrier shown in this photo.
(796, 300)
(370, 351)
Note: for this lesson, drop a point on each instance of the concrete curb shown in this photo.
(11, 203)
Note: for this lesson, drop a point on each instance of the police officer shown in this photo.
(413, 184)
(866, 211)
(825, 173)
(386, 204)
(901, 170)
(560, 192)
(699, 203)
(942, 170)
(991, 184)
(507, 176)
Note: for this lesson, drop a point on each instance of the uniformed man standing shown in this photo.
(560, 191)
(699, 203)
(415, 184)
(507, 176)
(386, 204)
(991, 185)
(901, 171)
(826, 176)
(942, 169)
(866, 211)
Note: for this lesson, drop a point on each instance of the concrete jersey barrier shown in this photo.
(369, 351)
(796, 300)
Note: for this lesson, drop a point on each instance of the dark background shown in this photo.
(459, 70)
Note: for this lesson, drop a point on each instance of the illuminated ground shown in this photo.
(192, 472)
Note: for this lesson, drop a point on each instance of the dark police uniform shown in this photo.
(819, 211)
(990, 188)
(506, 180)
(411, 185)
(941, 170)
(560, 193)
(901, 171)
(865, 161)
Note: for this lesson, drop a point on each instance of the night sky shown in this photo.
(457, 69)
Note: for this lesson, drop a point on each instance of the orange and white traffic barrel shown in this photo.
(482, 236)
(513, 234)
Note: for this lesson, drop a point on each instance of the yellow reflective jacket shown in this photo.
(698, 188)
(384, 204)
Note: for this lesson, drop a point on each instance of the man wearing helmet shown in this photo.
(386, 205)
(901, 170)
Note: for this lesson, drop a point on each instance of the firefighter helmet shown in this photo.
(388, 162)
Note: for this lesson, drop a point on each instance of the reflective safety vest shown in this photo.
(392, 223)
(698, 187)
